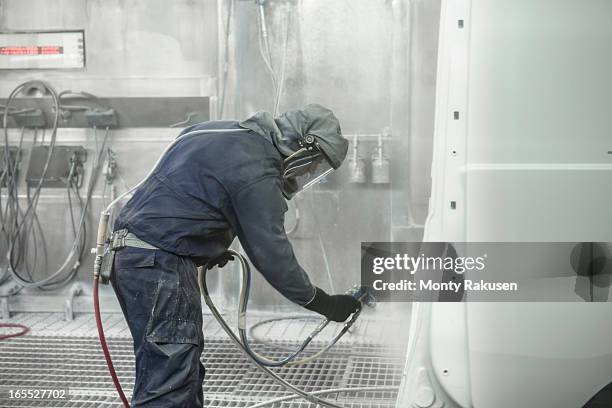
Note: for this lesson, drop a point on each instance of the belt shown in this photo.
(123, 238)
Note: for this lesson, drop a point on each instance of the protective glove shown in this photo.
(221, 260)
(337, 308)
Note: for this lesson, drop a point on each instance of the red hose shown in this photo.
(107, 356)
(23, 331)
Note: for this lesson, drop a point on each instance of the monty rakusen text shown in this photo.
(414, 264)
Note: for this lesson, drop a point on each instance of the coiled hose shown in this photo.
(23, 222)
(263, 362)
(291, 359)
(15, 223)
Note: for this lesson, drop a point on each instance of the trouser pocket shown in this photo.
(176, 314)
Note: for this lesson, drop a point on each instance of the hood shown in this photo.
(289, 128)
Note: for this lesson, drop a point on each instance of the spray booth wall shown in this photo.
(372, 62)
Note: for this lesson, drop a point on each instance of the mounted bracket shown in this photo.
(6, 291)
(30, 118)
(101, 118)
(75, 290)
(62, 161)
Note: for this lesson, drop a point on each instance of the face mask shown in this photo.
(303, 169)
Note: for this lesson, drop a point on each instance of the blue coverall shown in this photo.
(207, 190)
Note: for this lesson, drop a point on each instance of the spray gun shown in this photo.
(363, 294)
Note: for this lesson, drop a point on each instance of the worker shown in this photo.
(206, 190)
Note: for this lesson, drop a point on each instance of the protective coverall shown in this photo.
(207, 190)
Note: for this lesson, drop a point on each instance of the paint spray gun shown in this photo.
(363, 294)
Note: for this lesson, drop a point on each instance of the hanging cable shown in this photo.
(226, 51)
(7, 213)
(28, 233)
(16, 232)
(264, 44)
(281, 81)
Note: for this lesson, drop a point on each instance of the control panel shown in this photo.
(42, 50)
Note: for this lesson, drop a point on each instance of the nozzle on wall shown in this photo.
(380, 164)
(357, 165)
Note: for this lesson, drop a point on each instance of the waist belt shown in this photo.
(123, 238)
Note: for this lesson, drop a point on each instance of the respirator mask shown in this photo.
(304, 168)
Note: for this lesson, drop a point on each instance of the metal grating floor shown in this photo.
(47, 358)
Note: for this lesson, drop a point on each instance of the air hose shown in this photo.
(104, 345)
(242, 342)
(290, 360)
(23, 330)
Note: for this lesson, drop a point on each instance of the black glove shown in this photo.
(220, 261)
(337, 308)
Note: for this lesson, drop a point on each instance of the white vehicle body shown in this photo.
(521, 154)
